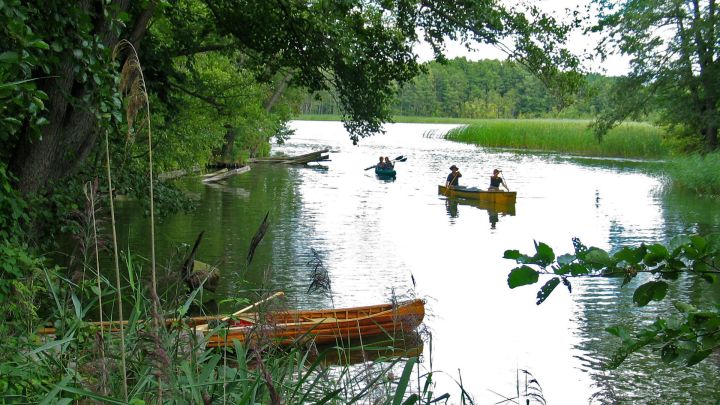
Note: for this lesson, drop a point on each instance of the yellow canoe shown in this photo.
(495, 197)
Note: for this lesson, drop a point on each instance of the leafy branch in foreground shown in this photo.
(687, 340)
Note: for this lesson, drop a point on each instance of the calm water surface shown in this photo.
(376, 236)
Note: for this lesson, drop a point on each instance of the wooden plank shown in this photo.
(227, 174)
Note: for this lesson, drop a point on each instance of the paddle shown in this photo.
(204, 326)
(449, 184)
(400, 158)
(503, 181)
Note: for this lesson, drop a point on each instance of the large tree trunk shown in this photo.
(226, 153)
(711, 138)
(279, 90)
(72, 131)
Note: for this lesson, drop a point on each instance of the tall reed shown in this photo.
(629, 140)
(697, 173)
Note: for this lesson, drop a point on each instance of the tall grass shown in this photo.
(630, 140)
(72, 368)
(696, 173)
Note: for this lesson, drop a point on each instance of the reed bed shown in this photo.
(696, 173)
(629, 140)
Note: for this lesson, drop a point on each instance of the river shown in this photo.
(378, 239)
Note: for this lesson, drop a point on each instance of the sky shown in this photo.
(578, 43)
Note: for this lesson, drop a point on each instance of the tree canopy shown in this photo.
(461, 88)
(674, 50)
(60, 84)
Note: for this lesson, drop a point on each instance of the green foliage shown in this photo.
(19, 266)
(22, 52)
(484, 89)
(365, 48)
(633, 140)
(672, 48)
(696, 173)
(687, 340)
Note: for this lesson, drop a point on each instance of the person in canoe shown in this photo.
(381, 164)
(452, 178)
(496, 181)
(388, 163)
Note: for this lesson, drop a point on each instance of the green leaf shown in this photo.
(39, 43)
(523, 275)
(655, 254)
(565, 259)
(77, 306)
(9, 57)
(561, 270)
(631, 255)
(404, 381)
(567, 284)
(669, 353)
(678, 242)
(544, 254)
(697, 357)
(518, 257)
(652, 290)
(577, 269)
(598, 256)
(699, 243)
(618, 331)
(684, 307)
(546, 289)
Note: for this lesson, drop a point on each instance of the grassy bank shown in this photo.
(631, 140)
(695, 173)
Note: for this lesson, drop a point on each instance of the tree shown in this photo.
(362, 49)
(674, 48)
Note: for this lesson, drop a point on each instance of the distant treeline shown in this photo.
(481, 89)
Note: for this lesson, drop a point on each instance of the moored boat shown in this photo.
(299, 326)
(496, 197)
(323, 326)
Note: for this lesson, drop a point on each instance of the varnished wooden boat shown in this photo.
(288, 327)
(323, 326)
(496, 197)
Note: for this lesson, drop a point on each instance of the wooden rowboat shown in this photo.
(323, 326)
(289, 327)
(496, 197)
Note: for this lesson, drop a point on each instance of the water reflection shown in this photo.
(380, 238)
(494, 211)
(373, 349)
(385, 178)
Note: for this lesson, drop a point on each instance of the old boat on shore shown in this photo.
(323, 326)
(298, 326)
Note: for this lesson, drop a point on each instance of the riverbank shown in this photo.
(628, 140)
(632, 140)
(637, 140)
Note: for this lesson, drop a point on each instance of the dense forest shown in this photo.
(461, 88)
